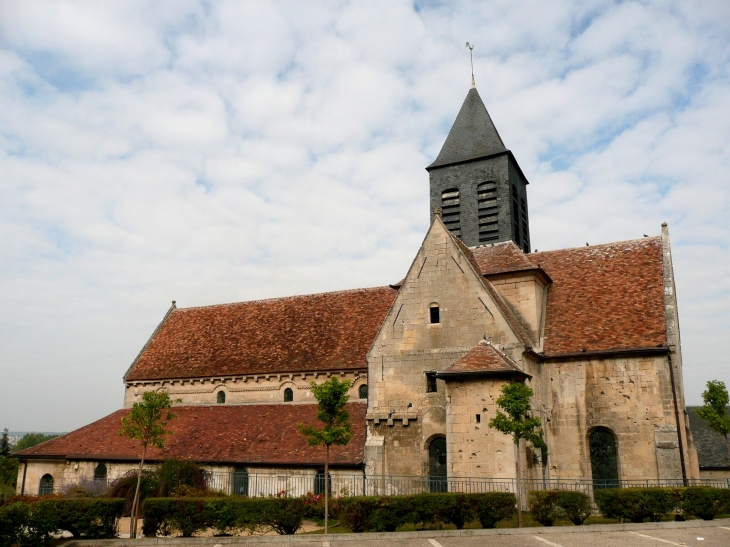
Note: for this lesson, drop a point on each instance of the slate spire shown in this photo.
(473, 134)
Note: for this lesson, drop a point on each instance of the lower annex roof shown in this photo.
(226, 434)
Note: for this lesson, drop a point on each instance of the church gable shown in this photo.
(444, 303)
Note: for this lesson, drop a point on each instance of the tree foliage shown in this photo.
(5, 444)
(147, 419)
(515, 420)
(715, 411)
(146, 422)
(32, 439)
(332, 396)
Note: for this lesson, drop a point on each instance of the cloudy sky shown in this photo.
(219, 151)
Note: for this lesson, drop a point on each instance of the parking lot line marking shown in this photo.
(325, 544)
(724, 527)
(435, 543)
(546, 541)
(655, 538)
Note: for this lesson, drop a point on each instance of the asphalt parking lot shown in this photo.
(701, 537)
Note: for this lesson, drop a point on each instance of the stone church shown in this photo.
(592, 330)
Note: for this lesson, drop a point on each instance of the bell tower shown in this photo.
(476, 184)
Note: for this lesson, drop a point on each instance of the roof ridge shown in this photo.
(290, 297)
(624, 241)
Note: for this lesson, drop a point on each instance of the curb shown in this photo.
(310, 538)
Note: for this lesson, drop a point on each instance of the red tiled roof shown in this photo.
(604, 297)
(328, 331)
(502, 258)
(243, 434)
(483, 358)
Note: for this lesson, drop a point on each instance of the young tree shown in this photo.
(516, 421)
(146, 422)
(715, 409)
(331, 398)
(5, 444)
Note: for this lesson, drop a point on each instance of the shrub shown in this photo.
(575, 506)
(355, 512)
(13, 518)
(454, 508)
(178, 477)
(89, 518)
(492, 507)
(125, 486)
(637, 504)
(543, 506)
(191, 515)
(705, 502)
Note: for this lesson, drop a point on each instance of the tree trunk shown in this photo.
(326, 488)
(135, 504)
(519, 485)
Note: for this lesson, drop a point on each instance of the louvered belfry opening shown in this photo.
(488, 210)
(515, 215)
(451, 210)
(525, 227)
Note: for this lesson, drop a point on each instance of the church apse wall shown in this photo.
(629, 398)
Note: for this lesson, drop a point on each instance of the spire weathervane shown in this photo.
(471, 56)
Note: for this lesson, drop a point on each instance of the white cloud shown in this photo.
(221, 151)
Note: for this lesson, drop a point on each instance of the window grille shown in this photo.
(488, 210)
(604, 459)
(362, 391)
(437, 475)
(451, 210)
(319, 483)
(100, 472)
(288, 395)
(221, 397)
(46, 485)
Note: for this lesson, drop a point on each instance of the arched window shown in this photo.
(450, 210)
(488, 211)
(319, 483)
(362, 391)
(221, 397)
(604, 458)
(240, 482)
(437, 465)
(288, 395)
(100, 472)
(46, 486)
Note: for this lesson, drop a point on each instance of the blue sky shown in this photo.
(222, 151)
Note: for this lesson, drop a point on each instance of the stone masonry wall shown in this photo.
(630, 396)
(408, 346)
(259, 389)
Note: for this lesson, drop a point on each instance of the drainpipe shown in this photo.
(22, 485)
(676, 417)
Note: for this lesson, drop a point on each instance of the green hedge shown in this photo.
(638, 504)
(32, 524)
(547, 506)
(224, 514)
(705, 502)
(386, 514)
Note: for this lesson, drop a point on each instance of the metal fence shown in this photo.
(358, 484)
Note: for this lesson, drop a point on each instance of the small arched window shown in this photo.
(46, 485)
(100, 472)
(221, 397)
(451, 210)
(288, 395)
(362, 391)
(437, 474)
